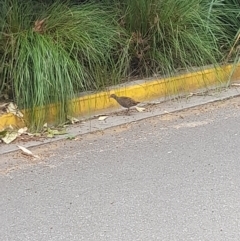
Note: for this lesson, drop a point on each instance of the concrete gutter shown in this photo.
(120, 119)
(142, 90)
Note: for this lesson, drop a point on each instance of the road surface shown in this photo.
(170, 177)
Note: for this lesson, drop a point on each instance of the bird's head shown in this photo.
(113, 96)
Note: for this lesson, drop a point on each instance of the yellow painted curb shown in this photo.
(9, 119)
(150, 89)
(140, 90)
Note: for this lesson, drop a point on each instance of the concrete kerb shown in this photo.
(141, 90)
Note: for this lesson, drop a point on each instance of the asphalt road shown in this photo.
(171, 177)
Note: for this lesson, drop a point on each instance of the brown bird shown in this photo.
(124, 101)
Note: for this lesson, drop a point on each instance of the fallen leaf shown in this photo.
(52, 133)
(10, 127)
(235, 84)
(9, 137)
(27, 152)
(104, 117)
(12, 108)
(57, 132)
(71, 138)
(190, 95)
(35, 134)
(72, 119)
(22, 130)
(140, 109)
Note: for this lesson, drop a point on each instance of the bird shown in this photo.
(124, 101)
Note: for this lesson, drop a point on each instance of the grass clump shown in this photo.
(51, 52)
(230, 18)
(170, 35)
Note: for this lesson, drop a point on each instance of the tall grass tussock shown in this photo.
(49, 55)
